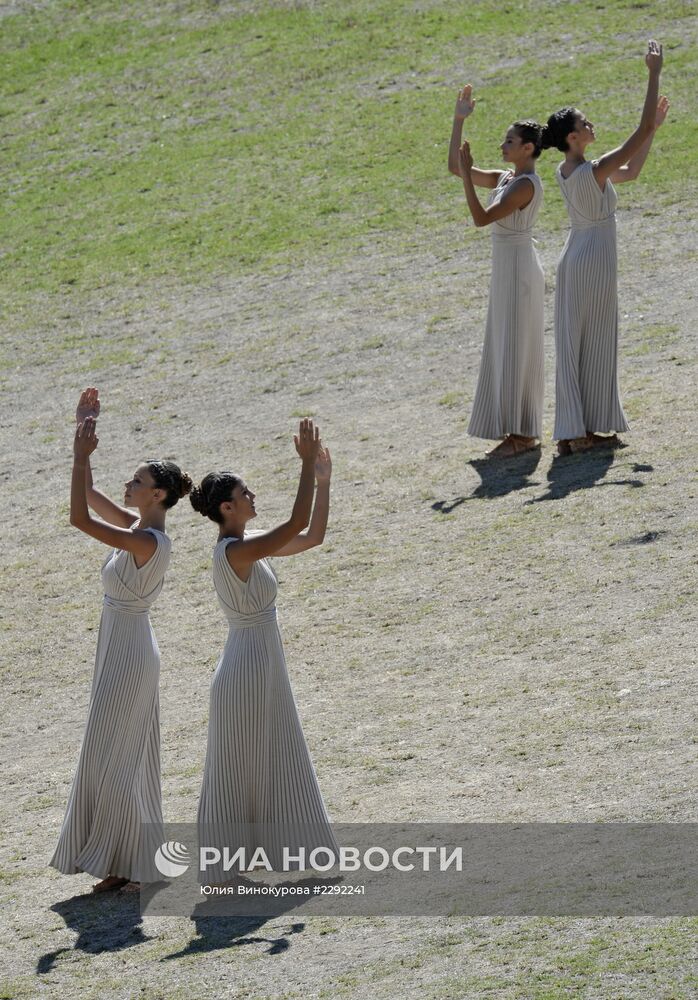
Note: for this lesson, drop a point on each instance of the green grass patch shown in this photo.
(180, 141)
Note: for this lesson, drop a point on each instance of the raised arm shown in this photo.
(141, 543)
(315, 535)
(465, 105)
(631, 171)
(606, 166)
(241, 554)
(89, 406)
(518, 194)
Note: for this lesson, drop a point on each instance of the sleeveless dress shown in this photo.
(117, 782)
(509, 393)
(586, 312)
(259, 780)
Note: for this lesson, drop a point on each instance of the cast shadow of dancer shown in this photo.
(498, 478)
(101, 925)
(214, 933)
(218, 930)
(570, 473)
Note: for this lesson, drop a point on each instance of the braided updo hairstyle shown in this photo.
(558, 127)
(215, 489)
(169, 477)
(530, 131)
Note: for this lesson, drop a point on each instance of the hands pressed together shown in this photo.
(465, 158)
(85, 440)
(310, 448)
(86, 413)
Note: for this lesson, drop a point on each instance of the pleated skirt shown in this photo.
(116, 787)
(258, 774)
(509, 394)
(587, 397)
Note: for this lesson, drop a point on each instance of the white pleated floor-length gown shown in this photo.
(587, 397)
(259, 782)
(509, 393)
(116, 787)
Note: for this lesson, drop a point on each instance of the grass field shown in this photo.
(227, 215)
(191, 140)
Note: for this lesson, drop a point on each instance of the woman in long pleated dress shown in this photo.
(508, 403)
(258, 774)
(116, 787)
(588, 409)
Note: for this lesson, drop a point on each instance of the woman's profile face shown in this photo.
(511, 146)
(584, 129)
(242, 499)
(138, 491)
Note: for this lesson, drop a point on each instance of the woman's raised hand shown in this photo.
(654, 58)
(85, 440)
(465, 158)
(88, 405)
(307, 440)
(323, 465)
(465, 105)
(663, 106)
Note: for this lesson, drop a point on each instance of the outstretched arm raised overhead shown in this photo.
(465, 105)
(242, 553)
(315, 535)
(631, 171)
(113, 513)
(139, 542)
(610, 162)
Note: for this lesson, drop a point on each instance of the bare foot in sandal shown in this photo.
(590, 441)
(131, 887)
(604, 440)
(580, 444)
(513, 444)
(109, 883)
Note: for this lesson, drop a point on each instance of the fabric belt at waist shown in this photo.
(593, 223)
(513, 239)
(124, 607)
(251, 621)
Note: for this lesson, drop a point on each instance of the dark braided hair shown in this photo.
(169, 477)
(558, 127)
(530, 131)
(215, 489)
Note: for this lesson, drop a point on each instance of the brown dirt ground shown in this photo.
(472, 642)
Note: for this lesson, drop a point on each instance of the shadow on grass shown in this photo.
(102, 924)
(498, 476)
(570, 473)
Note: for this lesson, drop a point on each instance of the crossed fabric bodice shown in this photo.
(130, 589)
(245, 603)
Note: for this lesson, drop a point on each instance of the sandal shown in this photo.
(577, 445)
(109, 883)
(591, 441)
(512, 445)
(605, 441)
